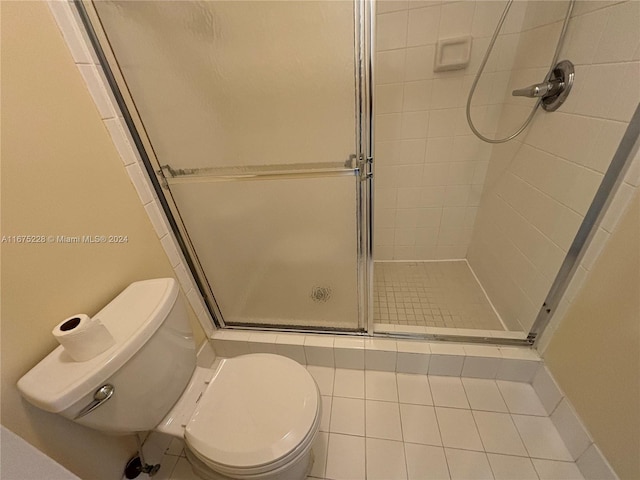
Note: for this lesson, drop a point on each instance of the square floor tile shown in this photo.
(385, 460)
(345, 457)
(426, 462)
(319, 448)
(448, 392)
(498, 433)
(541, 438)
(458, 429)
(466, 465)
(552, 470)
(484, 395)
(419, 424)
(348, 383)
(383, 420)
(506, 467)
(381, 386)
(421, 283)
(414, 389)
(323, 377)
(521, 398)
(326, 413)
(347, 416)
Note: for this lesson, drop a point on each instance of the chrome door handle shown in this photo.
(100, 396)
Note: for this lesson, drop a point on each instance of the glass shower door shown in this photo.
(252, 112)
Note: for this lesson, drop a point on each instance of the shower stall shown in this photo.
(320, 173)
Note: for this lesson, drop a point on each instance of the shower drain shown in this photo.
(320, 294)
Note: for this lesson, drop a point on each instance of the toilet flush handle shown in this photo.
(101, 395)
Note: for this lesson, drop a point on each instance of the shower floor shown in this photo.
(431, 294)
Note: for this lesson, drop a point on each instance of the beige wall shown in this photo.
(539, 186)
(61, 176)
(595, 350)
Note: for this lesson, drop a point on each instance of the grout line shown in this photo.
(404, 452)
(486, 296)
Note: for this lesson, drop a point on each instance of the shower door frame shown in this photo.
(364, 48)
(362, 165)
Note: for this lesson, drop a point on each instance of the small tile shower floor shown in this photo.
(388, 426)
(431, 294)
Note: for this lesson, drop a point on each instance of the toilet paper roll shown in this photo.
(82, 337)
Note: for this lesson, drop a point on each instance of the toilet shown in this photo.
(252, 417)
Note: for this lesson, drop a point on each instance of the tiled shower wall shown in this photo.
(430, 169)
(539, 187)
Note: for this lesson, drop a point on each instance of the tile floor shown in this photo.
(388, 426)
(431, 294)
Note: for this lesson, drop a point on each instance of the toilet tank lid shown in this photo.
(57, 382)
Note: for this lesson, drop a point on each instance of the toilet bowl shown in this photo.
(252, 417)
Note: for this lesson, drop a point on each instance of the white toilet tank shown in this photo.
(148, 367)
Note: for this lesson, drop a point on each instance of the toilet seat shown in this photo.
(259, 413)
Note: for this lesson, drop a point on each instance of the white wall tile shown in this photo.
(169, 246)
(594, 466)
(417, 95)
(480, 367)
(423, 26)
(97, 90)
(414, 125)
(541, 438)
(570, 427)
(183, 277)
(157, 218)
(550, 469)
(116, 129)
(446, 364)
(140, 183)
(390, 66)
(380, 355)
(318, 350)
(349, 353)
(391, 30)
(456, 19)
(619, 43)
(65, 18)
(419, 63)
(517, 370)
(389, 98)
(546, 389)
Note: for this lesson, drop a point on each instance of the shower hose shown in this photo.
(484, 62)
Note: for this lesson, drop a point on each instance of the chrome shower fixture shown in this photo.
(551, 93)
(554, 91)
